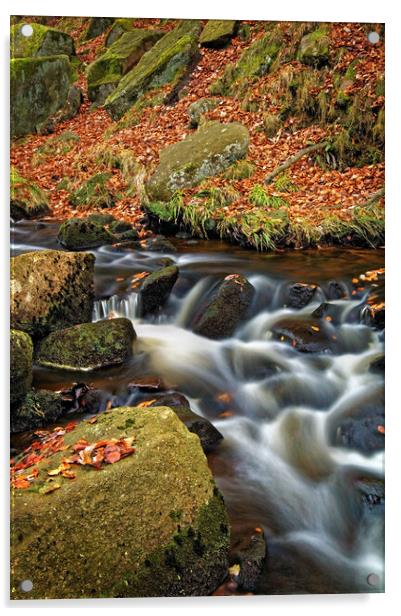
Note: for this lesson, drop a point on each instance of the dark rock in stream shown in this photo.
(156, 288)
(249, 552)
(227, 309)
(336, 290)
(151, 244)
(89, 346)
(209, 435)
(300, 294)
(94, 231)
(304, 335)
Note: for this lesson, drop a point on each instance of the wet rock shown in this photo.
(218, 33)
(205, 153)
(374, 316)
(336, 290)
(328, 312)
(371, 492)
(94, 231)
(378, 365)
(44, 41)
(198, 108)
(227, 309)
(89, 346)
(177, 546)
(209, 435)
(27, 200)
(314, 48)
(38, 410)
(147, 383)
(21, 350)
(153, 244)
(249, 552)
(156, 288)
(51, 290)
(361, 426)
(96, 26)
(119, 59)
(38, 88)
(300, 294)
(304, 335)
(165, 63)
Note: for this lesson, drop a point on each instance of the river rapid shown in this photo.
(281, 465)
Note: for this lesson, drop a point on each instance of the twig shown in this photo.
(293, 159)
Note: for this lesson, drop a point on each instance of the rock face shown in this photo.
(44, 41)
(249, 553)
(227, 308)
(89, 346)
(157, 287)
(96, 26)
(151, 524)
(218, 33)
(38, 88)
(166, 62)
(21, 350)
(27, 200)
(198, 108)
(209, 435)
(120, 26)
(70, 109)
(50, 290)
(314, 48)
(38, 410)
(120, 58)
(210, 150)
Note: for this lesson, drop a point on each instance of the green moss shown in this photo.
(283, 183)
(57, 145)
(88, 346)
(119, 27)
(240, 170)
(27, 200)
(165, 63)
(44, 41)
(39, 409)
(96, 26)
(218, 33)
(314, 48)
(81, 234)
(93, 193)
(21, 350)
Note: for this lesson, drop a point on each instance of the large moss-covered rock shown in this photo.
(314, 48)
(93, 231)
(157, 287)
(198, 108)
(38, 410)
(210, 150)
(96, 26)
(166, 62)
(121, 25)
(88, 346)
(51, 289)
(227, 308)
(120, 58)
(27, 200)
(21, 350)
(38, 88)
(151, 524)
(44, 41)
(218, 33)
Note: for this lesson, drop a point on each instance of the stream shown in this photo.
(280, 466)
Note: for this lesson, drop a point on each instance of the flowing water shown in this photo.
(279, 466)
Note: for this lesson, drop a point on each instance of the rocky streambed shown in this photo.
(272, 364)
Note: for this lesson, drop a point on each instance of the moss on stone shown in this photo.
(93, 193)
(157, 287)
(27, 200)
(314, 48)
(164, 63)
(110, 533)
(120, 58)
(96, 26)
(82, 234)
(209, 151)
(38, 410)
(50, 290)
(21, 350)
(121, 25)
(218, 33)
(89, 346)
(44, 41)
(198, 108)
(38, 88)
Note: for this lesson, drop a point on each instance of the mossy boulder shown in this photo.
(51, 289)
(120, 58)
(206, 153)
(27, 200)
(218, 33)
(69, 110)
(88, 346)
(198, 108)
(227, 308)
(120, 26)
(38, 88)
(165, 63)
(152, 524)
(314, 48)
(94, 231)
(21, 350)
(96, 26)
(93, 193)
(44, 41)
(156, 288)
(38, 410)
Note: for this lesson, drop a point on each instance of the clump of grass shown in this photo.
(265, 231)
(93, 193)
(283, 183)
(258, 196)
(271, 124)
(58, 145)
(240, 170)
